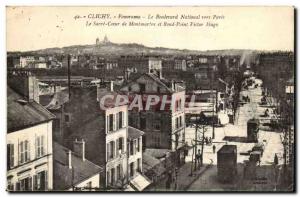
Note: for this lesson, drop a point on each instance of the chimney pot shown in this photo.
(69, 159)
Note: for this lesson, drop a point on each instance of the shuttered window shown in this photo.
(121, 125)
(10, 156)
(24, 152)
(111, 122)
(40, 181)
(40, 149)
(107, 152)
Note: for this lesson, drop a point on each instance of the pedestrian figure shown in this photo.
(206, 140)
(199, 158)
(210, 140)
(275, 159)
(214, 149)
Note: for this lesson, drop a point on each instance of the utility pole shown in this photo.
(195, 150)
(202, 145)
(214, 107)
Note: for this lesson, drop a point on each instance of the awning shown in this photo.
(139, 182)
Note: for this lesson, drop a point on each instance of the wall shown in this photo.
(119, 158)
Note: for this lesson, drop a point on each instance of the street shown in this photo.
(237, 135)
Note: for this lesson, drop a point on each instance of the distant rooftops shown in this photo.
(22, 114)
(171, 86)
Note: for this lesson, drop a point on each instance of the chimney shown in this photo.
(173, 85)
(69, 75)
(69, 159)
(25, 84)
(79, 148)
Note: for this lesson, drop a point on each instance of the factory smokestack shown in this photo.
(69, 75)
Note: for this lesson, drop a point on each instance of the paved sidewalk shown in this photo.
(184, 179)
(184, 176)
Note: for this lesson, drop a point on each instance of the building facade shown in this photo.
(164, 129)
(29, 145)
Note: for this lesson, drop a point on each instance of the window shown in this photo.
(177, 124)
(10, 185)
(131, 148)
(135, 146)
(120, 119)
(25, 184)
(67, 118)
(157, 124)
(139, 165)
(180, 121)
(111, 122)
(117, 125)
(112, 149)
(108, 151)
(143, 123)
(40, 146)
(108, 177)
(142, 87)
(203, 60)
(113, 176)
(176, 140)
(40, 181)
(24, 151)
(121, 144)
(131, 169)
(138, 145)
(10, 156)
(119, 176)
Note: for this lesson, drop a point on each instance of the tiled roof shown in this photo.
(82, 170)
(22, 114)
(157, 153)
(227, 149)
(59, 98)
(150, 163)
(134, 133)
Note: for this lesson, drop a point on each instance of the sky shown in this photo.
(261, 28)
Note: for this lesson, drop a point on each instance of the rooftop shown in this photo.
(228, 149)
(162, 82)
(134, 133)
(22, 114)
(82, 170)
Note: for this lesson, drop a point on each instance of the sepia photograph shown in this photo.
(150, 99)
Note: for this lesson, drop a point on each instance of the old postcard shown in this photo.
(150, 99)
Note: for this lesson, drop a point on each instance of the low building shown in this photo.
(180, 64)
(29, 145)
(26, 61)
(72, 171)
(140, 64)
